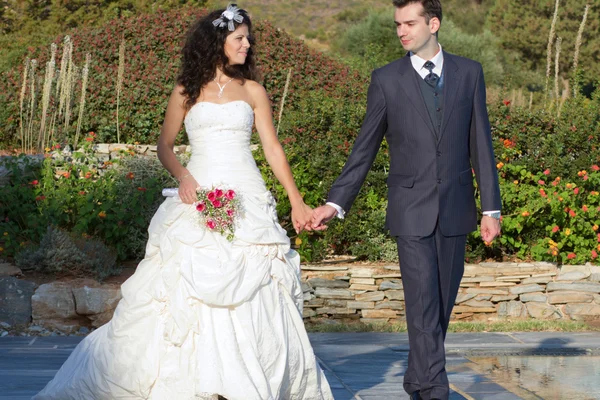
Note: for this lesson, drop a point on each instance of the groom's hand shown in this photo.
(322, 215)
(490, 228)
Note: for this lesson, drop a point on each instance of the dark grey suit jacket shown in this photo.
(430, 177)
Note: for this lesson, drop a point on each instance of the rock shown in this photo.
(337, 303)
(498, 298)
(462, 297)
(308, 312)
(479, 304)
(487, 291)
(35, 328)
(3, 334)
(5, 325)
(66, 326)
(360, 305)
(10, 270)
(368, 288)
(573, 276)
(395, 294)
(392, 305)
(467, 309)
(582, 310)
(100, 319)
(327, 283)
(306, 287)
(526, 289)
(15, 300)
(496, 284)
(362, 281)
(534, 296)
(314, 302)
(597, 298)
(387, 285)
(333, 310)
(96, 300)
(307, 296)
(83, 330)
(512, 309)
(483, 297)
(595, 274)
(516, 278)
(569, 297)
(53, 301)
(361, 272)
(374, 321)
(387, 276)
(379, 314)
(323, 268)
(542, 311)
(478, 279)
(102, 148)
(328, 293)
(574, 287)
(536, 279)
(370, 296)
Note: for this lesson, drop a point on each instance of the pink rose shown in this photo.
(541, 182)
(211, 196)
(547, 172)
(200, 207)
(229, 212)
(555, 229)
(218, 193)
(217, 203)
(211, 224)
(230, 194)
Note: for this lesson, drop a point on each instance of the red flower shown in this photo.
(547, 172)
(211, 196)
(230, 194)
(129, 175)
(506, 102)
(595, 167)
(211, 224)
(35, 182)
(541, 182)
(142, 189)
(217, 204)
(572, 213)
(218, 193)
(88, 175)
(594, 254)
(40, 198)
(571, 256)
(200, 207)
(555, 229)
(543, 193)
(576, 190)
(89, 139)
(584, 208)
(82, 193)
(67, 175)
(585, 178)
(230, 212)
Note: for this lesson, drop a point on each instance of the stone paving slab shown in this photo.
(370, 366)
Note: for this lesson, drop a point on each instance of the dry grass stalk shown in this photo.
(557, 70)
(578, 45)
(67, 92)
(550, 41)
(22, 101)
(530, 100)
(120, 76)
(32, 104)
(285, 92)
(48, 78)
(84, 80)
(62, 76)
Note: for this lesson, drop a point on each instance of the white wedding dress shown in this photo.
(203, 316)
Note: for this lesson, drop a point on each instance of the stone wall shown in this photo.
(351, 292)
(488, 291)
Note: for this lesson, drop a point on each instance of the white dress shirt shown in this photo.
(418, 64)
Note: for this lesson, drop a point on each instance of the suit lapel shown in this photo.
(410, 86)
(452, 81)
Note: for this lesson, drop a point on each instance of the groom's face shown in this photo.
(412, 29)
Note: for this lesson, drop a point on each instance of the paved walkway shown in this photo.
(369, 366)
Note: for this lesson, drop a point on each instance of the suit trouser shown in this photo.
(432, 268)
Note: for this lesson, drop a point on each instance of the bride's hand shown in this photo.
(302, 217)
(187, 189)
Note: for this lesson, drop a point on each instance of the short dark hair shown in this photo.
(431, 8)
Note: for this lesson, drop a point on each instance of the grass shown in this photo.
(461, 327)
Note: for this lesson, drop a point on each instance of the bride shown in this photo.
(205, 317)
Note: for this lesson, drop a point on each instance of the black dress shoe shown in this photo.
(415, 395)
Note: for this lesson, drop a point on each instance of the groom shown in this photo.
(431, 108)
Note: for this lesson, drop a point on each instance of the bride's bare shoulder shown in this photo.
(256, 91)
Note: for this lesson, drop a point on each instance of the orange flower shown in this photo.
(572, 213)
(500, 165)
(584, 208)
(88, 175)
(594, 254)
(569, 185)
(554, 253)
(582, 173)
(525, 213)
(571, 256)
(102, 214)
(595, 227)
(516, 182)
(129, 175)
(543, 193)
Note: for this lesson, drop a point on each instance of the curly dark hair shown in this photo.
(203, 52)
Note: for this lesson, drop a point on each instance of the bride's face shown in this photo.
(237, 45)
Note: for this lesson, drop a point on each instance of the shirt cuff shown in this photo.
(340, 211)
(490, 212)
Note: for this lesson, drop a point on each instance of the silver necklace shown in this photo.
(221, 88)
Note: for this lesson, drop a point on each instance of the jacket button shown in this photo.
(439, 181)
(439, 153)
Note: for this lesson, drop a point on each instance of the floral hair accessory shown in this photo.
(231, 14)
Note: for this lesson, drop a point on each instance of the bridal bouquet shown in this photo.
(218, 210)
